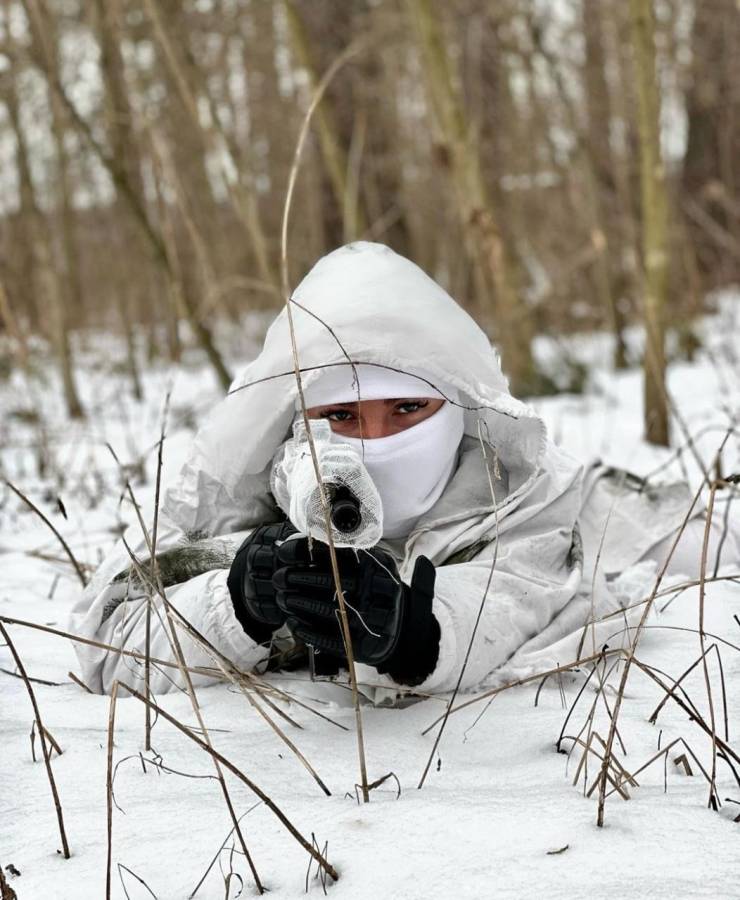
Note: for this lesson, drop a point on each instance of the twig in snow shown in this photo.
(33, 680)
(274, 808)
(121, 869)
(6, 891)
(155, 526)
(65, 546)
(79, 682)
(177, 650)
(109, 789)
(656, 712)
(220, 849)
(714, 801)
(42, 736)
(481, 607)
(52, 741)
(316, 99)
(227, 668)
(320, 873)
(630, 653)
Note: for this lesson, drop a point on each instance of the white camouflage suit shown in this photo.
(544, 527)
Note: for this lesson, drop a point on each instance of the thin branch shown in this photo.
(481, 607)
(347, 638)
(328, 868)
(630, 654)
(42, 736)
(57, 535)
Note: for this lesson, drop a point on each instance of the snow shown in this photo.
(498, 802)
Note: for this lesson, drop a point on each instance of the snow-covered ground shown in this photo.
(498, 816)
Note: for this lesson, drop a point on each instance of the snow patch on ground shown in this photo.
(498, 816)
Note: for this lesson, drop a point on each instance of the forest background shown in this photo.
(558, 167)
(569, 171)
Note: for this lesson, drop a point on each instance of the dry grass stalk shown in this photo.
(481, 606)
(630, 653)
(155, 528)
(226, 666)
(346, 636)
(679, 760)
(538, 676)
(219, 851)
(677, 683)
(713, 802)
(42, 735)
(121, 869)
(109, 788)
(215, 673)
(179, 656)
(6, 891)
(573, 705)
(49, 736)
(110, 648)
(65, 546)
(188, 732)
(726, 750)
(617, 774)
(31, 679)
(603, 678)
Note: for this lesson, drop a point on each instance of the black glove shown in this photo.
(391, 624)
(250, 581)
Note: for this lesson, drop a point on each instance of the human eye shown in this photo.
(405, 407)
(336, 414)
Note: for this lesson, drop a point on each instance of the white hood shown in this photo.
(363, 303)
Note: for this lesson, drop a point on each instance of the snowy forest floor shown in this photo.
(499, 814)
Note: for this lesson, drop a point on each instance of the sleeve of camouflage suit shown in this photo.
(113, 611)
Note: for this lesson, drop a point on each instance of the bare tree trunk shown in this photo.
(598, 105)
(132, 361)
(333, 145)
(654, 221)
(121, 177)
(180, 296)
(50, 286)
(28, 214)
(189, 84)
(10, 322)
(130, 297)
(711, 169)
(476, 211)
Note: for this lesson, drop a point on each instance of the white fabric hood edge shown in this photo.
(384, 310)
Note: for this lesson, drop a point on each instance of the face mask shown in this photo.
(411, 469)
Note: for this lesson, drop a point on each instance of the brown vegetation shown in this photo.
(513, 150)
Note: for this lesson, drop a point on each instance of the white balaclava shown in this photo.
(412, 468)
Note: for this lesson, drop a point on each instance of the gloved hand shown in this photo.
(391, 624)
(250, 581)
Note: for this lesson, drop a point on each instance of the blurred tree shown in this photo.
(344, 219)
(59, 292)
(491, 258)
(711, 170)
(654, 221)
(495, 144)
(609, 271)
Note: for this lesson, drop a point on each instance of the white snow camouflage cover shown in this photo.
(365, 303)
